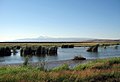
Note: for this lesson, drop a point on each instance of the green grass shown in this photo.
(99, 64)
(61, 68)
(102, 70)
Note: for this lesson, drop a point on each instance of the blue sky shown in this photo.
(59, 18)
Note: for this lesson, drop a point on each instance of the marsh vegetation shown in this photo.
(102, 70)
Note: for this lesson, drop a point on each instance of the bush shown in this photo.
(79, 58)
(25, 63)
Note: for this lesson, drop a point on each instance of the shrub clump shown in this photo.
(79, 58)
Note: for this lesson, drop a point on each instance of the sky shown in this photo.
(59, 18)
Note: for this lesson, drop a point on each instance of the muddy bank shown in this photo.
(52, 64)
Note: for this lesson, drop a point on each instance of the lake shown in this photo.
(65, 54)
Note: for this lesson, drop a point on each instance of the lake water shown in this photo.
(65, 54)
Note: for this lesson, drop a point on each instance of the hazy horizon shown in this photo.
(57, 39)
(99, 19)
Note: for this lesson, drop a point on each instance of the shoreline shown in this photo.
(52, 64)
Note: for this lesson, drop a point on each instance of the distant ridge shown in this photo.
(104, 40)
(50, 39)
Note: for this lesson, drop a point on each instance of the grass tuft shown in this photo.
(61, 68)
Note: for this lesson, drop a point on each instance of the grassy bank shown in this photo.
(102, 70)
(23, 44)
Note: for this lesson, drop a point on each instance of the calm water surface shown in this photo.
(65, 54)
